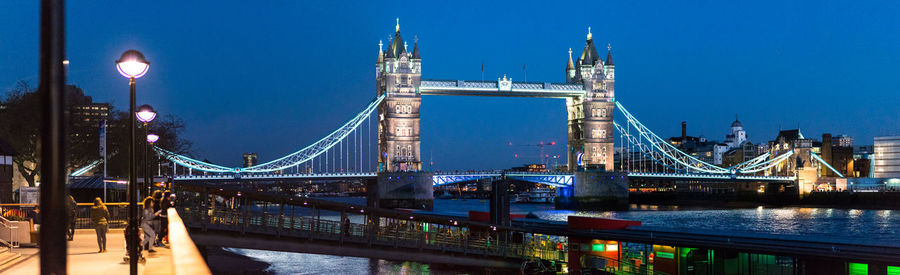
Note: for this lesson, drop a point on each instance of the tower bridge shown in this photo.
(595, 172)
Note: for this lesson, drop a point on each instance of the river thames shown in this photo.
(871, 226)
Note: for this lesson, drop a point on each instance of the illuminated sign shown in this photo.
(665, 255)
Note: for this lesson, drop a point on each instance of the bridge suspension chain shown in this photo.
(337, 138)
(668, 150)
(670, 157)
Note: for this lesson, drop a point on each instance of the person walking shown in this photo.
(71, 205)
(100, 219)
(147, 225)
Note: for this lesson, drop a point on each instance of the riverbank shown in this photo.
(222, 261)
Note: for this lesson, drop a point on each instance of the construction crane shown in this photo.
(541, 157)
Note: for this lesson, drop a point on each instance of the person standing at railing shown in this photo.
(165, 204)
(147, 225)
(71, 205)
(157, 204)
(100, 219)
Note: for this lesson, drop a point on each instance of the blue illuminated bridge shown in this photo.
(349, 152)
(441, 178)
(384, 137)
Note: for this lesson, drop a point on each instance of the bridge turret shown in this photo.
(401, 183)
(399, 113)
(609, 70)
(590, 117)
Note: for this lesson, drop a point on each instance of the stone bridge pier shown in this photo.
(413, 190)
(595, 190)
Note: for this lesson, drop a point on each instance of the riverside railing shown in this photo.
(312, 219)
(118, 213)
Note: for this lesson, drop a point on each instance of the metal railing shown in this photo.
(8, 230)
(118, 213)
(301, 218)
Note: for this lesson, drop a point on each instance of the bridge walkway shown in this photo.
(228, 215)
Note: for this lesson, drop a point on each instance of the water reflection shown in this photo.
(302, 263)
(855, 225)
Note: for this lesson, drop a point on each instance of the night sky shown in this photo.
(273, 76)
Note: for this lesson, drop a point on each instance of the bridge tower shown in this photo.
(591, 117)
(401, 182)
(398, 76)
(590, 152)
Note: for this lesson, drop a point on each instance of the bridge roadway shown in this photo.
(496, 88)
(442, 178)
(217, 216)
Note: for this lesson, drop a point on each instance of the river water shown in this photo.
(870, 226)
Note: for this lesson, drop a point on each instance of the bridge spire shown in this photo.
(397, 47)
(415, 53)
(380, 52)
(589, 56)
(609, 60)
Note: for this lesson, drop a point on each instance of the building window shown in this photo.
(403, 109)
(598, 133)
(403, 131)
(598, 112)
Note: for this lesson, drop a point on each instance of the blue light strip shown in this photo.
(826, 164)
(767, 164)
(750, 162)
(87, 168)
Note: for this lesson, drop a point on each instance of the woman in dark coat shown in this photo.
(100, 219)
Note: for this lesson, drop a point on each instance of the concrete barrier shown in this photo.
(186, 259)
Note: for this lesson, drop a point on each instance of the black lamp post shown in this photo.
(132, 65)
(151, 139)
(146, 114)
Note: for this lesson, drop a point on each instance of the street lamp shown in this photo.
(132, 65)
(151, 138)
(145, 114)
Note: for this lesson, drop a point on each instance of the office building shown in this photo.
(887, 157)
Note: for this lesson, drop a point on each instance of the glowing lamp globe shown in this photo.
(132, 64)
(145, 113)
(152, 138)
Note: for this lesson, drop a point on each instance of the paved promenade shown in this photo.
(84, 259)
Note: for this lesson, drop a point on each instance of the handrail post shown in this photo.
(422, 238)
(487, 240)
(280, 219)
(246, 215)
(204, 215)
(341, 228)
(466, 242)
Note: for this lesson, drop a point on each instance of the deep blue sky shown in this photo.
(271, 77)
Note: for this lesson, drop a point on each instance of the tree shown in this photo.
(20, 127)
(169, 128)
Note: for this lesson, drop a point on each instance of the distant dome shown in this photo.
(737, 123)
